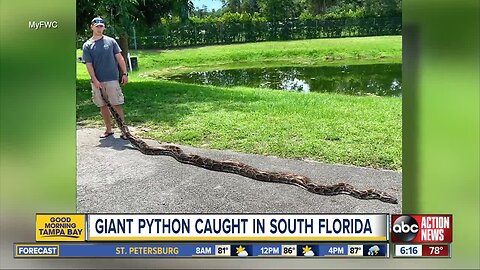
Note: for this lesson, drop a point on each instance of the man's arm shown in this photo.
(123, 67)
(91, 71)
(87, 57)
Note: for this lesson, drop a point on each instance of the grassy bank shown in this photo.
(363, 131)
(333, 128)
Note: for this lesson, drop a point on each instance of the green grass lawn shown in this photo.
(333, 128)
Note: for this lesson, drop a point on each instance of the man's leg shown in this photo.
(119, 110)
(106, 119)
(115, 96)
(98, 100)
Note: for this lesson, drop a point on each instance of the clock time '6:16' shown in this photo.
(408, 250)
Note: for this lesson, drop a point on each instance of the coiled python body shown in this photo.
(246, 170)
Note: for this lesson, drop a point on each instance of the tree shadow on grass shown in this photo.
(164, 102)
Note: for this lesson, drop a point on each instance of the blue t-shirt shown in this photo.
(101, 53)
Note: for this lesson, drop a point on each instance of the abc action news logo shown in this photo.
(421, 228)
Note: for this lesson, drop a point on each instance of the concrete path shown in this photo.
(114, 177)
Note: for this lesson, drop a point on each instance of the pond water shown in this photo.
(378, 79)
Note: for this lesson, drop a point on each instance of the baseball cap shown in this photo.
(98, 21)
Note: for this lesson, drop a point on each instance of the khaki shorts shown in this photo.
(113, 91)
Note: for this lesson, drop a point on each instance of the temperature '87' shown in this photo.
(354, 250)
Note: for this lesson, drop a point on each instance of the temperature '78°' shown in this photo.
(435, 250)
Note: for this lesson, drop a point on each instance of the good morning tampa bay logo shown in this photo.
(405, 228)
(60, 227)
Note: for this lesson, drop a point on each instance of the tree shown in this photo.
(319, 6)
(275, 10)
(201, 12)
(383, 7)
(250, 6)
(232, 6)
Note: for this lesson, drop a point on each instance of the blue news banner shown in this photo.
(139, 250)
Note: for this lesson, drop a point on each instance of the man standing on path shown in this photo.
(103, 57)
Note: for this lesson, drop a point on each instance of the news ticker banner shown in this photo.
(433, 229)
(132, 250)
(212, 227)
